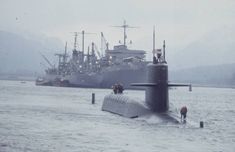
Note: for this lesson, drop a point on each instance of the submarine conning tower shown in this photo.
(156, 94)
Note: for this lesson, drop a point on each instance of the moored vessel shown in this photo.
(91, 69)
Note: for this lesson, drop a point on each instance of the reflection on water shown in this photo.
(36, 118)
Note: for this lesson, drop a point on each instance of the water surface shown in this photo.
(41, 119)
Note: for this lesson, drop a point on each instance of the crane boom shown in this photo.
(44, 57)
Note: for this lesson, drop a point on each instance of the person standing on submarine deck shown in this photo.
(117, 88)
(183, 112)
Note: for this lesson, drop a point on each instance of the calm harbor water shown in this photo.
(41, 119)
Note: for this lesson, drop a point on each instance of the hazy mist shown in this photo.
(197, 33)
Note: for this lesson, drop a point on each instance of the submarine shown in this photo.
(156, 92)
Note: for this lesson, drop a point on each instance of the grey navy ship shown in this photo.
(93, 70)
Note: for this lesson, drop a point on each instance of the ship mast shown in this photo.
(153, 40)
(81, 53)
(65, 53)
(75, 40)
(125, 26)
(164, 51)
(83, 41)
(124, 30)
(154, 50)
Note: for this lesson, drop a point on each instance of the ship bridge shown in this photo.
(121, 52)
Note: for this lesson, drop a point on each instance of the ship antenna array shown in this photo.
(125, 26)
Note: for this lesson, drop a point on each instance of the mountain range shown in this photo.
(214, 48)
(222, 75)
(20, 54)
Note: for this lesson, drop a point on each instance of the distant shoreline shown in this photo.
(28, 78)
(17, 78)
(213, 86)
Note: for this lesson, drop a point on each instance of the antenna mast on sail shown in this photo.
(164, 51)
(153, 40)
(154, 50)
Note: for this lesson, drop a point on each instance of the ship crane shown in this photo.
(63, 56)
(42, 64)
(62, 64)
(44, 57)
(65, 53)
(125, 26)
(97, 51)
(104, 42)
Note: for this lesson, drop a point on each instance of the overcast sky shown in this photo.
(179, 22)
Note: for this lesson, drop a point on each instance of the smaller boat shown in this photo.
(59, 82)
(43, 82)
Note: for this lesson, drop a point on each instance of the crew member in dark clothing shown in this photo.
(115, 89)
(183, 112)
(118, 88)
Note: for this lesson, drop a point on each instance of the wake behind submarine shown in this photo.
(156, 92)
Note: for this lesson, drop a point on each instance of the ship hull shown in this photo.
(92, 80)
(122, 76)
(102, 79)
(107, 79)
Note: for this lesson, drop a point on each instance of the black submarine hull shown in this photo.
(156, 96)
